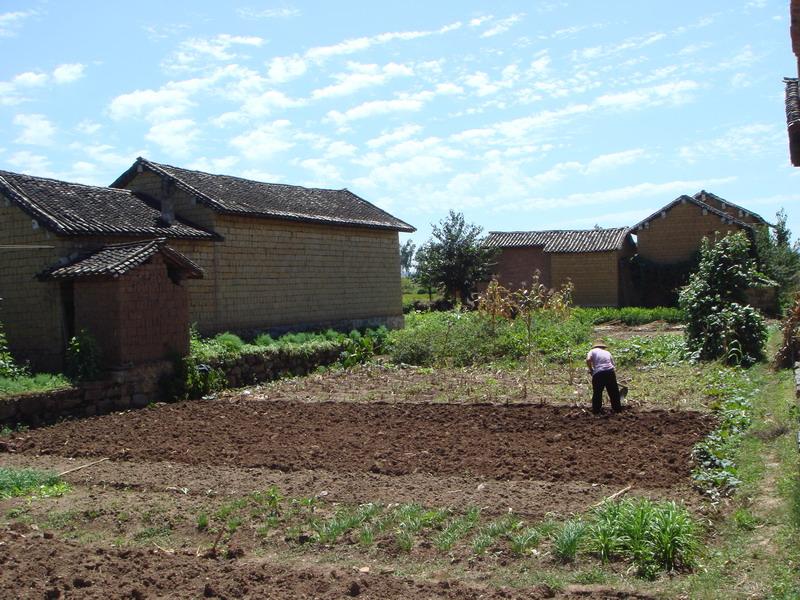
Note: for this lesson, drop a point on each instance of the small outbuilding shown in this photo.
(594, 260)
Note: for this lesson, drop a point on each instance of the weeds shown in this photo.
(22, 482)
(566, 540)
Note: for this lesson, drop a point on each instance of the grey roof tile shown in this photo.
(77, 209)
(233, 195)
(576, 240)
(117, 259)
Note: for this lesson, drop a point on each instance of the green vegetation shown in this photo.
(83, 361)
(630, 315)
(22, 482)
(16, 379)
(454, 259)
(778, 259)
(720, 324)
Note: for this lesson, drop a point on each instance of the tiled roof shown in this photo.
(117, 259)
(724, 217)
(233, 195)
(704, 196)
(793, 118)
(581, 240)
(76, 209)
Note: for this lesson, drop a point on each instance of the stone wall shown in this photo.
(134, 388)
(676, 237)
(142, 385)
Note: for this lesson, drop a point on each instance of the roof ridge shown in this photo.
(731, 204)
(696, 202)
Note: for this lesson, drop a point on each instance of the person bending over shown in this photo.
(604, 377)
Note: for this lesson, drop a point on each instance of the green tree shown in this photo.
(407, 257)
(778, 259)
(455, 258)
(719, 323)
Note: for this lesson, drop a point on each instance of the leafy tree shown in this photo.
(424, 274)
(455, 258)
(778, 259)
(407, 257)
(719, 323)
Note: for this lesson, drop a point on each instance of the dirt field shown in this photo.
(129, 526)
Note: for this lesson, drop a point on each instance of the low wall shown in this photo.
(140, 386)
(121, 390)
(274, 363)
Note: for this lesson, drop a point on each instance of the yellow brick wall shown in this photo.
(273, 273)
(676, 237)
(595, 276)
(185, 205)
(30, 310)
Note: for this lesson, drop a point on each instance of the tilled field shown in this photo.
(133, 519)
(545, 443)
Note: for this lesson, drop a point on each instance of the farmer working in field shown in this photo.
(601, 368)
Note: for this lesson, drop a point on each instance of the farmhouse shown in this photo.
(592, 259)
(249, 255)
(598, 261)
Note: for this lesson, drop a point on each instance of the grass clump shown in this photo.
(567, 540)
(22, 482)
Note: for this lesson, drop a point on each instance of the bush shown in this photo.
(8, 368)
(230, 341)
(83, 359)
(719, 322)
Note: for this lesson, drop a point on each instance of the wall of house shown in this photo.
(733, 212)
(139, 317)
(273, 274)
(515, 266)
(676, 237)
(595, 276)
(30, 310)
(282, 274)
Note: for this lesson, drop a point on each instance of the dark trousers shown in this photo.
(605, 380)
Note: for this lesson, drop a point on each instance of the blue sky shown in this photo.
(523, 115)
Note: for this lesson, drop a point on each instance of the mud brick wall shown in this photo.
(515, 266)
(30, 310)
(274, 363)
(134, 388)
(676, 237)
(595, 276)
(140, 317)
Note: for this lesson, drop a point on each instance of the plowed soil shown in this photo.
(34, 566)
(547, 443)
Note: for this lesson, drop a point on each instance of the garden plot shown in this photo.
(260, 495)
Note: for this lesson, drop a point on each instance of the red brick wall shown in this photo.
(516, 266)
(141, 317)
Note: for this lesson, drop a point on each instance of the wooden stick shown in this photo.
(91, 464)
(615, 494)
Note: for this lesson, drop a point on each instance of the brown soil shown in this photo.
(36, 565)
(545, 443)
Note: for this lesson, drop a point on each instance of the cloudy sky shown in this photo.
(524, 115)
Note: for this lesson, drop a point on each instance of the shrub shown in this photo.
(264, 340)
(8, 368)
(83, 359)
(229, 341)
(719, 322)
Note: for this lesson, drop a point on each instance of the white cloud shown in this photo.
(478, 21)
(375, 108)
(153, 104)
(397, 173)
(396, 135)
(694, 48)
(29, 79)
(88, 127)
(11, 22)
(606, 162)
(28, 162)
(339, 149)
(175, 137)
(265, 141)
(223, 164)
(675, 92)
(36, 130)
(286, 68)
(503, 25)
(742, 142)
(604, 51)
(105, 155)
(361, 76)
(323, 170)
(68, 73)
(268, 13)
(616, 195)
(201, 50)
